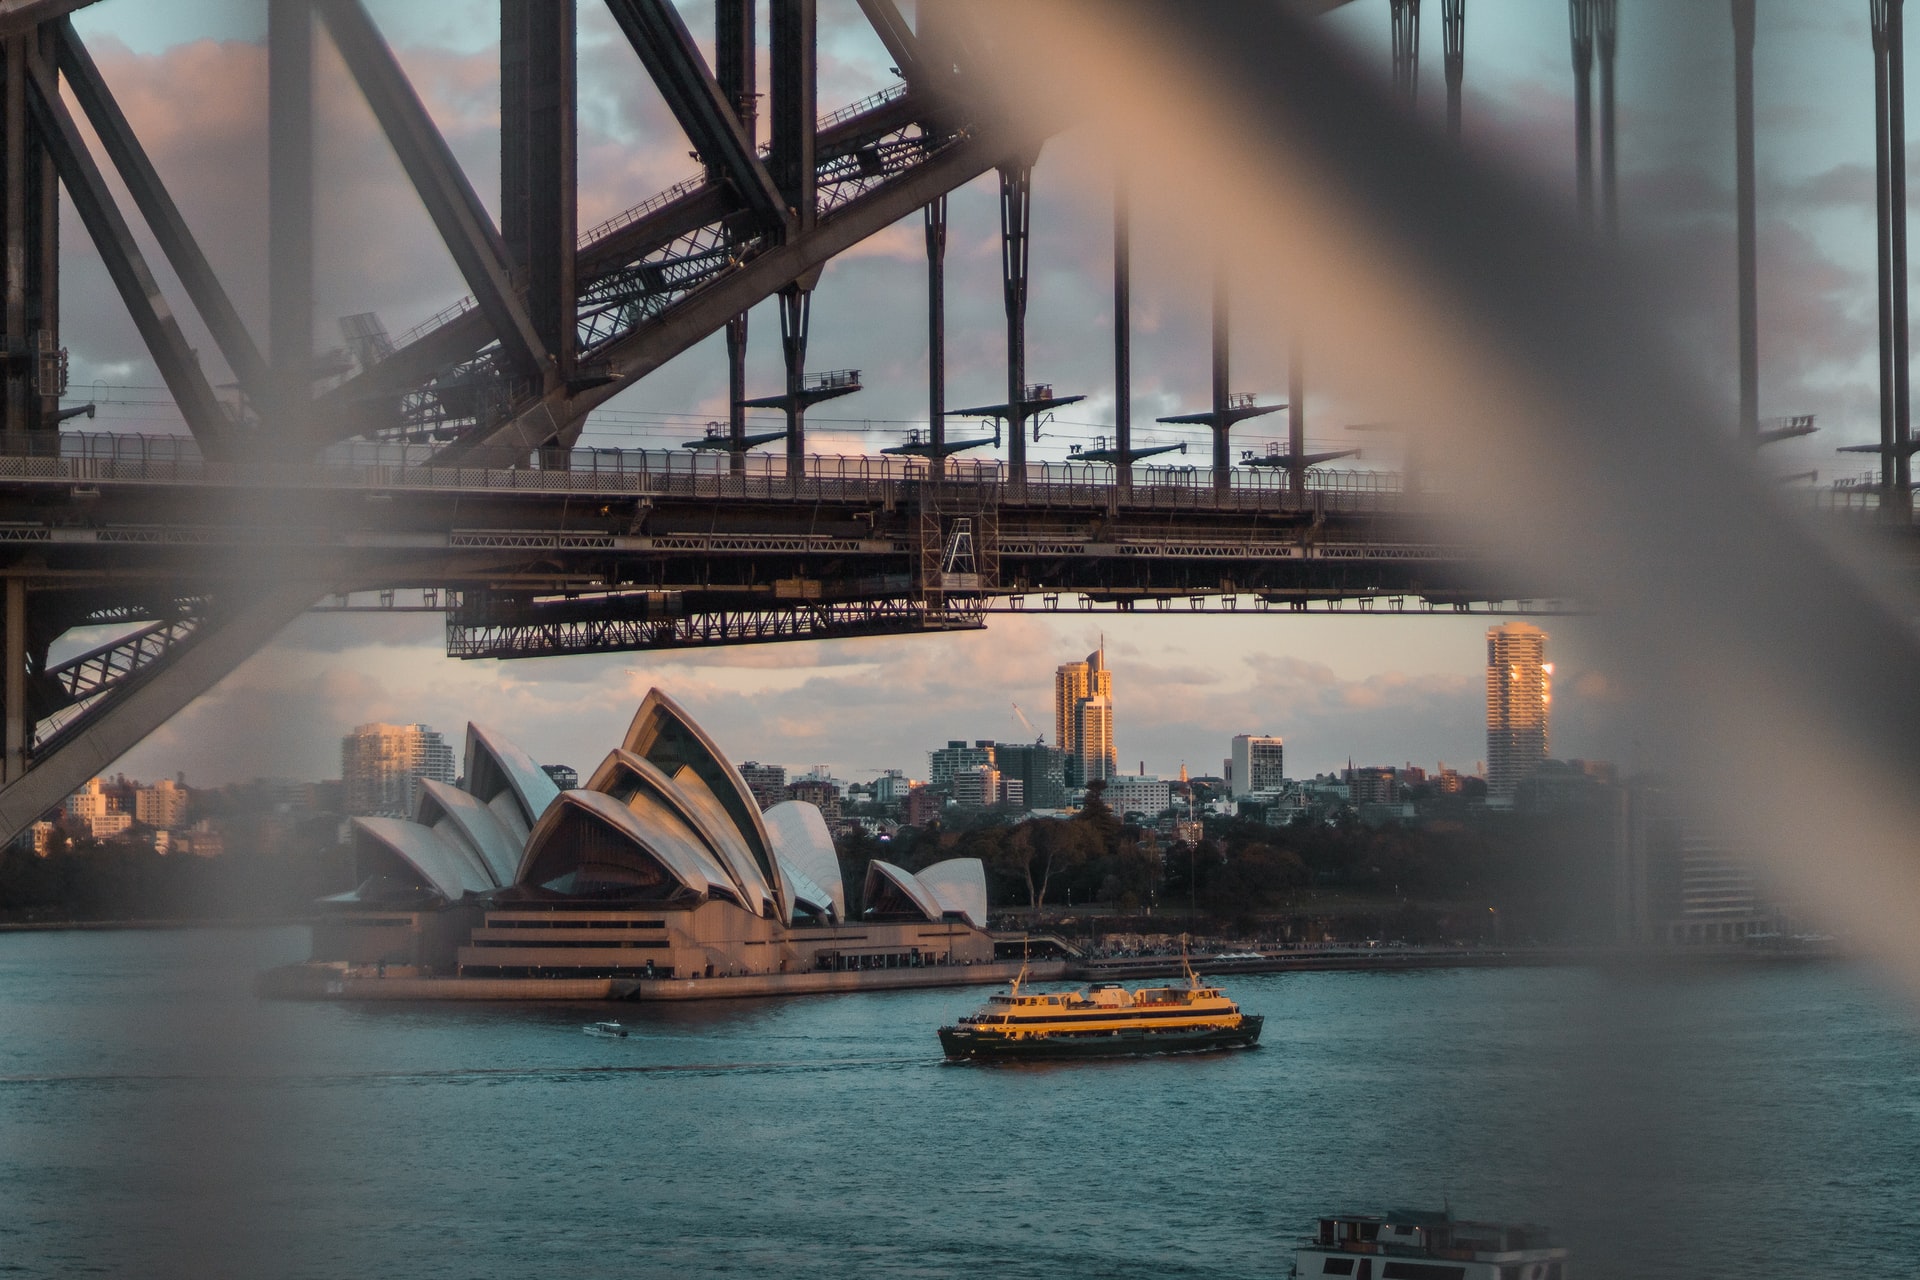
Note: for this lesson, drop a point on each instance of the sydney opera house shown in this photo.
(662, 867)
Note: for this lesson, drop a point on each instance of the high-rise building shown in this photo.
(767, 782)
(977, 788)
(891, 787)
(1373, 784)
(1519, 696)
(381, 764)
(945, 763)
(821, 793)
(1093, 739)
(1258, 764)
(1135, 793)
(89, 802)
(1040, 769)
(1075, 685)
(163, 805)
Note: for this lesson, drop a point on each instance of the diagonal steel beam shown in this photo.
(179, 367)
(113, 728)
(708, 310)
(156, 205)
(462, 221)
(902, 44)
(672, 59)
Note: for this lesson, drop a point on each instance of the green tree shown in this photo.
(1043, 849)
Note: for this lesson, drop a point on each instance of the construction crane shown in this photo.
(1038, 737)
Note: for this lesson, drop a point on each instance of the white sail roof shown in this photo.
(667, 736)
(880, 873)
(450, 868)
(455, 813)
(803, 847)
(495, 767)
(625, 775)
(959, 885)
(555, 849)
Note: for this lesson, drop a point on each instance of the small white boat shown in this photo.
(610, 1030)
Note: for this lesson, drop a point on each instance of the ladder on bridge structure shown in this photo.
(959, 553)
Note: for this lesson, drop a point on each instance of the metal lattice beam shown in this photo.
(471, 634)
(67, 691)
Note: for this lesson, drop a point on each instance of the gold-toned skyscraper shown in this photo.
(1519, 698)
(1083, 717)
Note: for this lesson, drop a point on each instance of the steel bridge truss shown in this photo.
(556, 321)
(486, 625)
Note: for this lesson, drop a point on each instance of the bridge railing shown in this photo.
(172, 459)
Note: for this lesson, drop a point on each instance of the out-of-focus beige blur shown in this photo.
(1440, 292)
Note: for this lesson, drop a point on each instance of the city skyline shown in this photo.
(832, 704)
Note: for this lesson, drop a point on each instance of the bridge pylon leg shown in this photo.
(1122, 333)
(937, 336)
(1016, 223)
(1222, 367)
(796, 310)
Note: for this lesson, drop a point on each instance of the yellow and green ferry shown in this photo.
(1104, 1021)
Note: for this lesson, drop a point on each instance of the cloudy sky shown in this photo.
(1377, 689)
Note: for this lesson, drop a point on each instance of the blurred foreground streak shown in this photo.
(1535, 361)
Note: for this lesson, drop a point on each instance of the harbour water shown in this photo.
(156, 1119)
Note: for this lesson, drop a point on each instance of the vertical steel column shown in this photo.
(1883, 175)
(43, 266)
(19, 351)
(937, 335)
(13, 681)
(734, 62)
(1297, 420)
(1016, 222)
(290, 208)
(1406, 51)
(737, 394)
(1122, 331)
(793, 65)
(796, 307)
(1606, 35)
(1580, 19)
(1453, 29)
(735, 69)
(1744, 201)
(538, 219)
(1222, 353)
(1897, 204)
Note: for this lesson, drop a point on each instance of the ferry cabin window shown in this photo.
(1421, 1271)
(1337, 1267)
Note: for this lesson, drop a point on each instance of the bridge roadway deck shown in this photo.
(131, 513)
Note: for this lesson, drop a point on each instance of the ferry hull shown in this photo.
(965, 1044)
